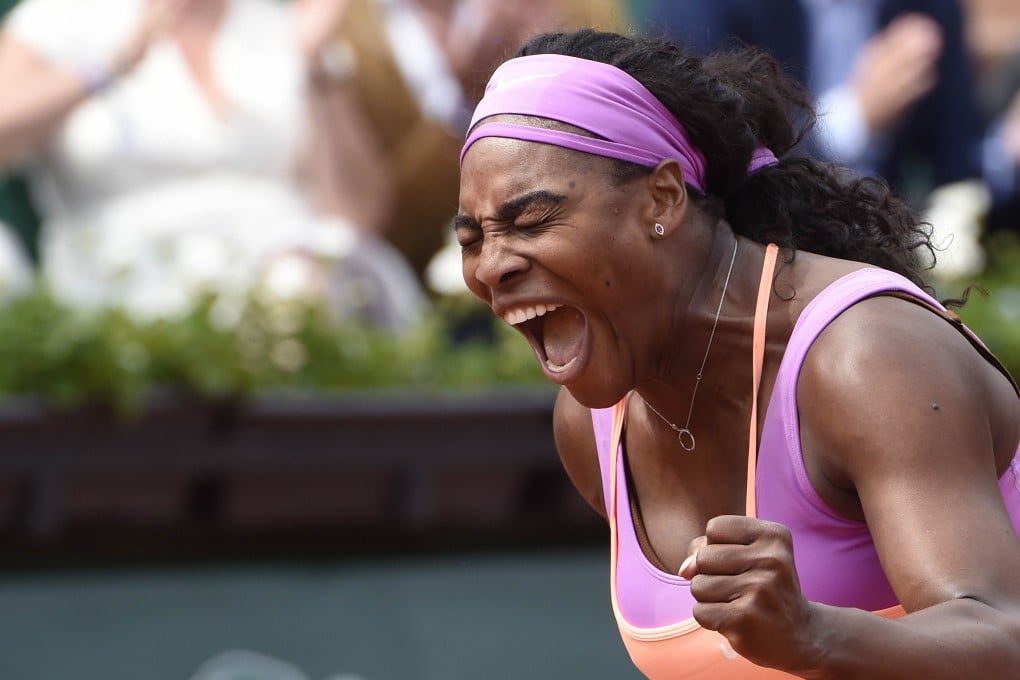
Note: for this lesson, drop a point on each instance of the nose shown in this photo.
(498, 263)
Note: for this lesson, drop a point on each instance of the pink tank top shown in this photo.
(835, 556)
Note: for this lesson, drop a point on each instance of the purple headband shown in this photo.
(593, 96)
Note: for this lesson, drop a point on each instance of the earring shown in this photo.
(660, 230)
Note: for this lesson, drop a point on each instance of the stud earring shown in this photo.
(660, 230)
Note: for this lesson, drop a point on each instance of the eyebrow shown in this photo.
(513, 208)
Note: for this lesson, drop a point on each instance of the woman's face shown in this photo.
(561, 251)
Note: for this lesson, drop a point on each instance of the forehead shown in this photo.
(495, 168)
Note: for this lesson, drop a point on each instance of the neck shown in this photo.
(690, 342)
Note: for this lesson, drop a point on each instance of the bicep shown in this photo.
(575, 442)
(913, 423)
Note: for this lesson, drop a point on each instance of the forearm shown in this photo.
(350, 176)
(41, 105)
(960, 638)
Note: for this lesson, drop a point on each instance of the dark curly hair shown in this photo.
(732, 102)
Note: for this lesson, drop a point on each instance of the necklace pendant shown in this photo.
(686, 439)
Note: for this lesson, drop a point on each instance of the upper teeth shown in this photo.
(522, 314)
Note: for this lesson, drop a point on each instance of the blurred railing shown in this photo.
(297, 473)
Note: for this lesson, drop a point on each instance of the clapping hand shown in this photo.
(158, 19)
(896, 68)
(318, 24)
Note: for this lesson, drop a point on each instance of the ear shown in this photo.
(668, 193)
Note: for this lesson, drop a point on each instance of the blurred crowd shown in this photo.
(177, 148)
(170, 149)
(922, 93)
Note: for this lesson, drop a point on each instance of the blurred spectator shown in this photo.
(164, 141)
(993, 32)
(893, 83)
(417, 67)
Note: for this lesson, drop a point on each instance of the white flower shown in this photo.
(290, 277)
(445, 273)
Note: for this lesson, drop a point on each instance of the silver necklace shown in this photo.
(684, 433)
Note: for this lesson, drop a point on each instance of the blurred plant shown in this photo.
(73, 357)
(993, 306)
(224, 349)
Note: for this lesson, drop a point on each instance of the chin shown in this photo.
(596, 396)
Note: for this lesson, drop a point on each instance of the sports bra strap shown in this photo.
(757, 361)
(761, 311)
(619, 414)
(957, 323)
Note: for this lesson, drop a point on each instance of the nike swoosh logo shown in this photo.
(503, 84)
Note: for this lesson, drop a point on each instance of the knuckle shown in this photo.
(777, 533)
(706, 555)
(719, 526)
(771, 561)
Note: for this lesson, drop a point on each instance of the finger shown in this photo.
(726, 559)
(736, 529)
(689, 567)
(768, 538)
(911, 24)
(716, 616)
(711, 588)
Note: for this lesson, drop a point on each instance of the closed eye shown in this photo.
(537, 222)
(531, 229)
(467, 230)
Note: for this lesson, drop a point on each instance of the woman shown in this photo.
(172, 149)
(618, 202)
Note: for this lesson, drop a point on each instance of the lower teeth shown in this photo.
(556, 368)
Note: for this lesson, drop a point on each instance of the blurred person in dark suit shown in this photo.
(993, 32)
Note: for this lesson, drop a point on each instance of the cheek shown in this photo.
(468, 266)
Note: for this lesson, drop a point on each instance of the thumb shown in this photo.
(689, 567)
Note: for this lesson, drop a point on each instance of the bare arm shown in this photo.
(343, 163)
(575, 440)
(47, 93)
(920, 426)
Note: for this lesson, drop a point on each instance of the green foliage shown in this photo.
(72, 357)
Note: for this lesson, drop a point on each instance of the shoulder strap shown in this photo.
(619, 414)
(958, 324)
(761, 311)
(757, 362)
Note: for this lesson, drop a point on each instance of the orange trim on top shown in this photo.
(761, 311)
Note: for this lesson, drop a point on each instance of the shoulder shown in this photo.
(888, 379)
(911, 424)
(885, 332)
(575, 442)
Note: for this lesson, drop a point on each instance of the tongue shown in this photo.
(562, 335)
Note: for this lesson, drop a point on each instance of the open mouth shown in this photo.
(556, 332)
